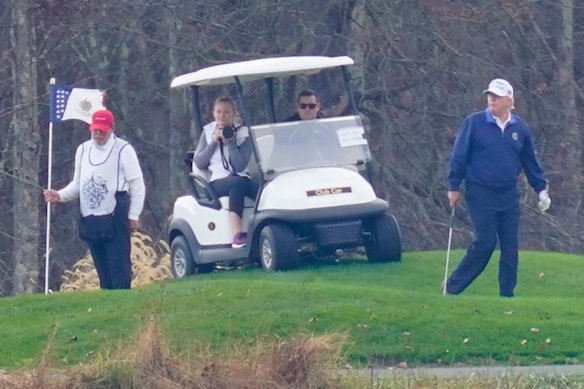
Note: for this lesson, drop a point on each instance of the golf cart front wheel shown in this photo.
(278, 249)
(181, 259)
(384, 243)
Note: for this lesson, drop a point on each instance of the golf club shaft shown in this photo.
(448, 252)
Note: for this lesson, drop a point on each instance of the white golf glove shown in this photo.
(544, 200)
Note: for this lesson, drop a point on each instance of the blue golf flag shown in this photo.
(74, 103)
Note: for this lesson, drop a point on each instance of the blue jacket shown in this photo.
(485, 155)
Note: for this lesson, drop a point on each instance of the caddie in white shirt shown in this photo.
(109, 185)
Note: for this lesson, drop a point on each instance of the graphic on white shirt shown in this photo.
(94, 191)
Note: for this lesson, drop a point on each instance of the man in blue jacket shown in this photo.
(491, 149)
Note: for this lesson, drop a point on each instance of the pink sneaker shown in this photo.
(239, 240)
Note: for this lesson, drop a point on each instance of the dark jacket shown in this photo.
(296, 117)
(485, 155)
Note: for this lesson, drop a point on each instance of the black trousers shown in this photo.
(236, 187)
(112, 258)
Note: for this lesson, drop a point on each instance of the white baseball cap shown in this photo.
(500, 87)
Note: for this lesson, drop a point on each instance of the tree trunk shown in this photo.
(183, 134)
(571, 142)
(176, 114)
(25, 150)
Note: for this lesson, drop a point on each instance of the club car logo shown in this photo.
(328, 191)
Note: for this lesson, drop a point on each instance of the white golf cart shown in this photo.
(313, 198)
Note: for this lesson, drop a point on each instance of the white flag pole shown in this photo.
(50, 168)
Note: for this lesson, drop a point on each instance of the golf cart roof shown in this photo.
(259, 69)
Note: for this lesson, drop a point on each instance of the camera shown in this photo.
(228, 132)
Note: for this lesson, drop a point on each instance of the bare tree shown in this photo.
(6, 235)
(25, 155)
(421, 67)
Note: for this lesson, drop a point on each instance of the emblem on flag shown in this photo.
(74, 103)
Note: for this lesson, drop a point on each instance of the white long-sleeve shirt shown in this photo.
(100, 171)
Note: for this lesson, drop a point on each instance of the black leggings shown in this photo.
(236, 187)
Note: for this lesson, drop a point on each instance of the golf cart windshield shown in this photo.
(287, 146)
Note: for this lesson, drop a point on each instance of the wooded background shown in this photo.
(421, 67)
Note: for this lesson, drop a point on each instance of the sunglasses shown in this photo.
(309, 106)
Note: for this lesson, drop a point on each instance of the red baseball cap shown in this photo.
(102, 120)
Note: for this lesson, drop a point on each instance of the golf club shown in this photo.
(448, 251)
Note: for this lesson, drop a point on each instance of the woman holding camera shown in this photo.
(225, 150)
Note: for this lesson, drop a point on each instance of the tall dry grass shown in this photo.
(150, 263)
(147, 363)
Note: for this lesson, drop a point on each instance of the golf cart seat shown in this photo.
(203, 191)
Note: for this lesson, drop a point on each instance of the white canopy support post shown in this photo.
(49, 171)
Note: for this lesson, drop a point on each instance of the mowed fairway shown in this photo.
(389, 313)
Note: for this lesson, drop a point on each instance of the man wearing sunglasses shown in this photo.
(307, 108)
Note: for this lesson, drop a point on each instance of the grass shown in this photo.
(390, 313)
(147, 363)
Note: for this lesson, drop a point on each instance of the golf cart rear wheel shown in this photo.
(278, 249)
(181, 259)
(384, 243)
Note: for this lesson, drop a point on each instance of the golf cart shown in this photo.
(314, 195)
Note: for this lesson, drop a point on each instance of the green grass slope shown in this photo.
(391, 313)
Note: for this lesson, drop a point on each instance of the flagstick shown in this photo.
(48, 234)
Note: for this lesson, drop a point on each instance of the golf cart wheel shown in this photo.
(384, 244)
(278, 249)
(181, 259)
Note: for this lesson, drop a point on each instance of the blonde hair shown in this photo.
(225, 99)
(237, 121)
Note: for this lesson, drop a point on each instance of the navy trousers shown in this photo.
(112, 258)
(495, 216)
